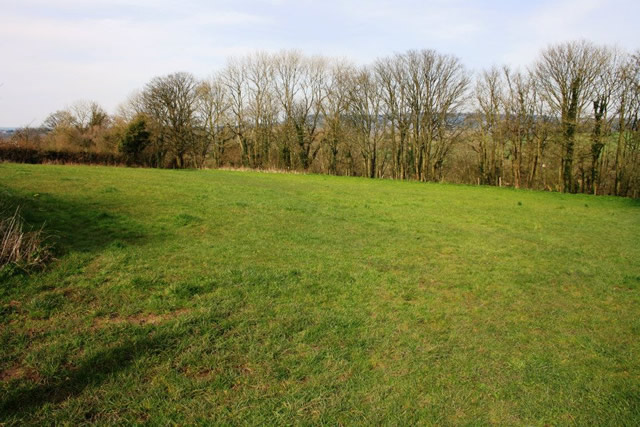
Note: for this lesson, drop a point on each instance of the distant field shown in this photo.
(244, 297)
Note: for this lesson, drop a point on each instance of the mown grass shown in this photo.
(239, 297)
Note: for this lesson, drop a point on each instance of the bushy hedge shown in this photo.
(20, 154)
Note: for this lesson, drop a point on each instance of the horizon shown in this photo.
(65, 50)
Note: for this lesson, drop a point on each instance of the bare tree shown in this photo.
(604, 89)
(234, 77)
(520, 121)
(391, 74)
(566, 74)
(211, 110)
(334, 110)
(364, 114)
(436, 90)
(87, 114)
(61, 118)
(171, 102)
(489, 146)
(542, 128)
(262, 107)
(626, 168)
(301, 85)
(82, 125)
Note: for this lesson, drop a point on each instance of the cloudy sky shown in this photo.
(55, 52)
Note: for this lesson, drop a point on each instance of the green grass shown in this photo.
(237, 297)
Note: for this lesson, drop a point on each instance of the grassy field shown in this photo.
(239, 297)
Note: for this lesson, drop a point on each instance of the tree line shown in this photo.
(568, 122)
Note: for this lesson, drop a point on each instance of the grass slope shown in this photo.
(237, 297)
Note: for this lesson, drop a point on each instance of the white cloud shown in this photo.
(430, 20)
(563, 20)
(57, 51)
(55, 60)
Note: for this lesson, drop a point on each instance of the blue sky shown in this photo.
(55, 52)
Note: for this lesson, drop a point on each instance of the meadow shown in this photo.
(259, 298)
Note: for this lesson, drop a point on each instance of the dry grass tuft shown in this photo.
(24, 249)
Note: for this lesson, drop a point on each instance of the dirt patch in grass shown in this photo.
(138, 319)
(18, 373)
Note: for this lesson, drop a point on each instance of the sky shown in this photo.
(56, 52)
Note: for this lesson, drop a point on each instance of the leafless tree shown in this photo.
(301, 85)
(364, 114)
(211, 110)
(171, 103)
(626, 168)
(566, 74)
(520, 123)
(234, 77)
(262, 106)
(391, 75)
(489, 142)
(334, 109)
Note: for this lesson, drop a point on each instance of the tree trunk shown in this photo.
(570, 125)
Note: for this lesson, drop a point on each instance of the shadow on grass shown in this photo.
(72, 225)
(91, 372)
(634, 202)
(102, 366)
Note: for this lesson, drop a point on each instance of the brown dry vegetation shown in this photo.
(26, 249)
